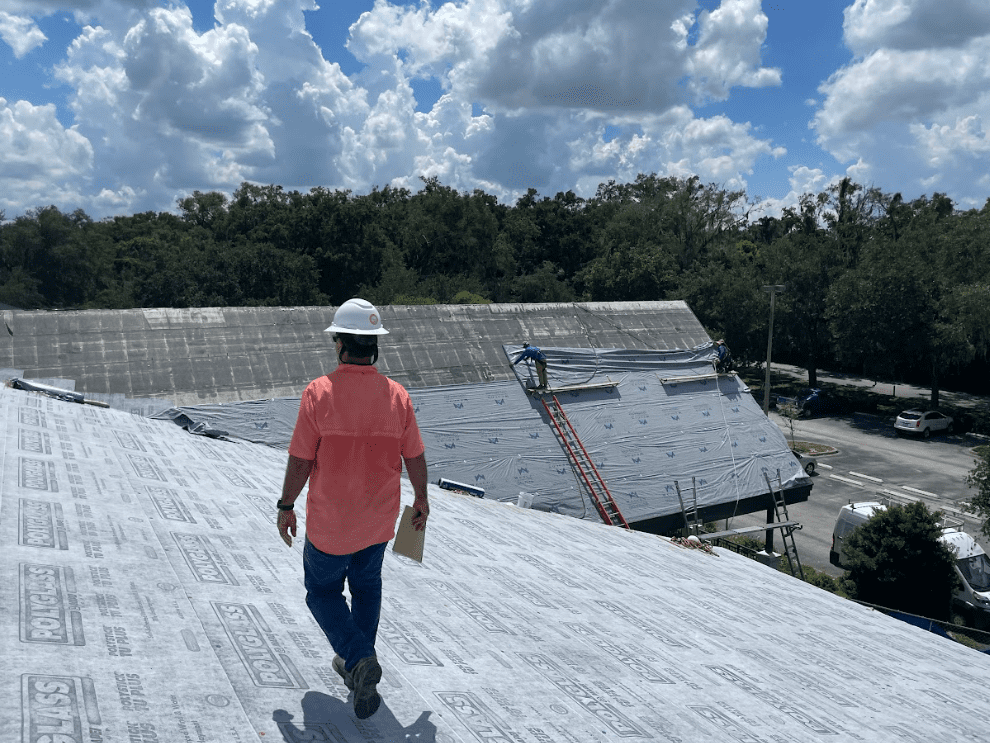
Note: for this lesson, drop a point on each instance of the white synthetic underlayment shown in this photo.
(145, 596)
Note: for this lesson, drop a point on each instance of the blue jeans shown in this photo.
(351, 631)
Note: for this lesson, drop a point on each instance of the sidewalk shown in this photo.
(907, 391)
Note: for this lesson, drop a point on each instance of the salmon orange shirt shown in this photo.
(358, 425)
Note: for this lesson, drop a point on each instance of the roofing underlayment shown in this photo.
(666, 422)
(146, 596)
(663, 420)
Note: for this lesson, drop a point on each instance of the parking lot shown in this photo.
(873, 461)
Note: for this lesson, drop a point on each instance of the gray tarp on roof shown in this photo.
(644, 435)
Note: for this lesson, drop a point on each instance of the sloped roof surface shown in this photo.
(201, 355)
(146, 596)
(667, 422)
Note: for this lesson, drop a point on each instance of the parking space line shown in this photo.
(824, 466)
(847, 480)
(900, 495)
(865, 477)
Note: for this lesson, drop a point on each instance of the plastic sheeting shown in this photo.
(667, 420)
(260, 421)
(657, 428)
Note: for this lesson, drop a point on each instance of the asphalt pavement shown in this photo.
(872, 461)
(912, 394)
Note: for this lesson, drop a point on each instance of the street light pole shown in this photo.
(774, 290)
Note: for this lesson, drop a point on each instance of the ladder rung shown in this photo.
(584, 464)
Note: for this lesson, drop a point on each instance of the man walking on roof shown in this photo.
(539, 360)
(355, 429)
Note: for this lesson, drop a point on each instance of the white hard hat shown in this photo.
(357, 317)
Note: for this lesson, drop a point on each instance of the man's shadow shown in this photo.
(329, 719)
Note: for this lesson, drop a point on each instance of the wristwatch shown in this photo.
(285, 506)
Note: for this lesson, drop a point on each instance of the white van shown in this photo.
(850, 516)
(973, 566)
(972, 562)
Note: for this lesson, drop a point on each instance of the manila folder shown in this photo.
(408, 541)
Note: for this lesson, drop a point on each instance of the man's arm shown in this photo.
(416, 468)
(296, 474)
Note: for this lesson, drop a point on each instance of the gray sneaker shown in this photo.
(365, 676)
(339, 667)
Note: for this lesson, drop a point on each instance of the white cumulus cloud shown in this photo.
(21, 33)
(912, 111)
(803, 180)
(914, 24)
(727, 53)
(528, 89)
(42, 159)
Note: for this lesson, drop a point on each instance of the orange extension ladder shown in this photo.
(589, 474)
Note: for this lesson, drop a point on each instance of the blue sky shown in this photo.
(123, 106)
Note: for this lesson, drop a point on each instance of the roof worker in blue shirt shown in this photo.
(722, 355)
(539, 359)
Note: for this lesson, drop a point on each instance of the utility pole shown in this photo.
(774, 290)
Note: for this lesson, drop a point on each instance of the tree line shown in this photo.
(894, 289)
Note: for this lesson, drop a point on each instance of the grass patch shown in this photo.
(812, 448)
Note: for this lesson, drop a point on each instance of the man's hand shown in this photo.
(422, 507)
(296, 473)
(287, 524)
(416, 467)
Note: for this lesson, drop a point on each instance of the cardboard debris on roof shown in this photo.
(146, 596)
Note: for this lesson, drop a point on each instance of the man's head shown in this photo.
(356, 326)
(360, 349)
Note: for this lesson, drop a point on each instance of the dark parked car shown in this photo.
(812, 401)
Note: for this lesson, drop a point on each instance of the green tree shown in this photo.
(466, 297)
(19, 289)
(979, 478)
(60, 257)
(896, 560)
(724, 293)
(207, 210)
(451, 233)
(690, 219)
(808, 261)
(545, 284)
(558, 230)
(626, 271)
(353, 238)
(904, 301)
